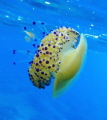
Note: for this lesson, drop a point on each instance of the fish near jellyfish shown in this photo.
(57, 56)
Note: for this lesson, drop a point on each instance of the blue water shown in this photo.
(19, 99)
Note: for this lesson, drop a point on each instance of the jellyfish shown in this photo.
(60, 55)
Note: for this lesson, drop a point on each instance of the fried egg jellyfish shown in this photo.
(58, 57)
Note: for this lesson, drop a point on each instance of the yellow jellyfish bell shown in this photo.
(70, 66)
(56, 56)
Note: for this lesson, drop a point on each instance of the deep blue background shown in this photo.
(19, 99)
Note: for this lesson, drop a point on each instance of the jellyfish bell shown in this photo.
(72, 62)
(57, 56)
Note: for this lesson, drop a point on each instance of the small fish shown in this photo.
(30, 34)
(27, 39)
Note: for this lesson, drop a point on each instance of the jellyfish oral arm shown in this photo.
(69, 67)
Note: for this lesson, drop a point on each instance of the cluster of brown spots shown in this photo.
(47, 59)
